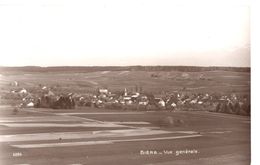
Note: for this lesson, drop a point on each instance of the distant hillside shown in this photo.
(120, 68)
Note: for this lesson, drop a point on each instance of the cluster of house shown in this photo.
(107, 99)
(42, 98)
(170, 101)
(104, 98)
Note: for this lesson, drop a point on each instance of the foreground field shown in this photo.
(95, 136)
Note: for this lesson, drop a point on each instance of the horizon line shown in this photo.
(125, 66)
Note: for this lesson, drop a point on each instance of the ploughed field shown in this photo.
(99, 136)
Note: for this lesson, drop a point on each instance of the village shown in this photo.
(126, 112)
(127, 99)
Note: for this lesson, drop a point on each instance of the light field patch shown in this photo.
(71, 144)
(49, 125)
(100, 113)
(41, 119)
(81, 135)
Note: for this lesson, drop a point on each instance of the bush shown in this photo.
(113, 106)
(15, 110)
(170, 122)
(141, 107)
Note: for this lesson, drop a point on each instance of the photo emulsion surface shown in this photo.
(144, 82)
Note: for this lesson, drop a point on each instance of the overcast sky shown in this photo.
(134, 32)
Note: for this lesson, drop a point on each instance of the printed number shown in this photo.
(17, 154)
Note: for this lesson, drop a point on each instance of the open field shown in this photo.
(95, 136)
(149, 81)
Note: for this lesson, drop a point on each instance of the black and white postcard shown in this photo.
(115, 82)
